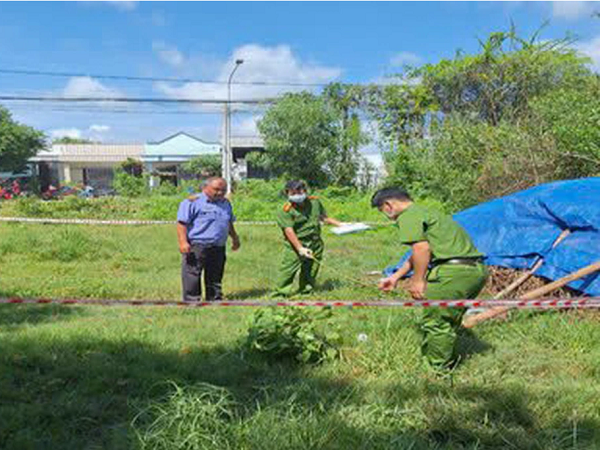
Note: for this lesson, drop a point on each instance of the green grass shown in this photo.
(247, 206)
(122, 378)
(144, 262)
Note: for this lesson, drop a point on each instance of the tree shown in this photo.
(344, 160)
(571, 118)
(399, 109)
(299, 131)
(204, 166)
(516, 114)
(133, 167)
(71, 140)
(18, 142)
(498, 82)
(129, 185)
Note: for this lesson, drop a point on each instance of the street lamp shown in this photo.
(228, 160)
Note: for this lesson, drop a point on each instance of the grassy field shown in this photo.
(121, 378)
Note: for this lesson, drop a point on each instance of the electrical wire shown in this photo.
(154, 79)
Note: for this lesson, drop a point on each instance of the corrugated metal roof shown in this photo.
(90, 153)
(115, 153)
(247, 141)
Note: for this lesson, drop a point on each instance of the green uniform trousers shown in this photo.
(440, 326)
(291, 263)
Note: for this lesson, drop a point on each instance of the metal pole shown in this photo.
(224, 141)
(229, 157)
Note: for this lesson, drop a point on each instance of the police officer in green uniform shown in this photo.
(300, 220)
(445, 264)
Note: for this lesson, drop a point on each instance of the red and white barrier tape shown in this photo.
(124, 222)
(102, 222)
(85, 221)
(573, 303)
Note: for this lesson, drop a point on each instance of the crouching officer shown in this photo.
(300, 220)
(445, 264)
(203, 224)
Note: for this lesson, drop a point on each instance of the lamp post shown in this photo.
(228, 157)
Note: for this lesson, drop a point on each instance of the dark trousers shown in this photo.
(211, 261)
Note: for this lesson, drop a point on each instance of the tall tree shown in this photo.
(344, 160)
(299, 131)
(18, 142)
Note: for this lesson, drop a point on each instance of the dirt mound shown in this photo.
(501, 277)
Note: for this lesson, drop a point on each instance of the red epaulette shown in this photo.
(287, 207)
(313, 197)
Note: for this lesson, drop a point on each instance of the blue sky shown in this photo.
(280, 42)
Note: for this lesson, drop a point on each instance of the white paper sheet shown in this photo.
(350, 228)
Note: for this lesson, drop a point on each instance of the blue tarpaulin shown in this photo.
(515, 230)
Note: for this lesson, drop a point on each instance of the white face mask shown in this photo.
(297, 198)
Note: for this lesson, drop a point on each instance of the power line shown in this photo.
(155, 79)
(103, 110)
(117, 111)
(132, 100)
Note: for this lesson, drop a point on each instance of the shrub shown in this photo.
(130, 185)
(132, 167)
(283, 333)
(165, 189)
(28, 207)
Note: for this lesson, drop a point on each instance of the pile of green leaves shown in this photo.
(294, 333)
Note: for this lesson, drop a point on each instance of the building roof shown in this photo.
(247, 142)
(177, 147)
(89, 153)
(182, 133)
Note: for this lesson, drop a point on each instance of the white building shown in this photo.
(94, 164)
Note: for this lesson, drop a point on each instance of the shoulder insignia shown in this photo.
(191, 198)
(287, 207)
(313, 197)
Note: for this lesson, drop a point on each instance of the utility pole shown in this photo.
(224, 159)
(228, 156)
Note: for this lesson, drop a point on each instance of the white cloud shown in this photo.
(261, 64)
(94, 132)
(73, 133)
(573, 10)
(247, 126)
(167, 54)
(88, 87)
(405, 58)
(99, 128)
(591, 49)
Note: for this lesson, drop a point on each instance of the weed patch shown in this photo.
(281, 333)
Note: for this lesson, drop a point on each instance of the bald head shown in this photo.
(215, 188)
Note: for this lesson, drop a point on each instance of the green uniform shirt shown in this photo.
(446, 237)
(305, 218)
